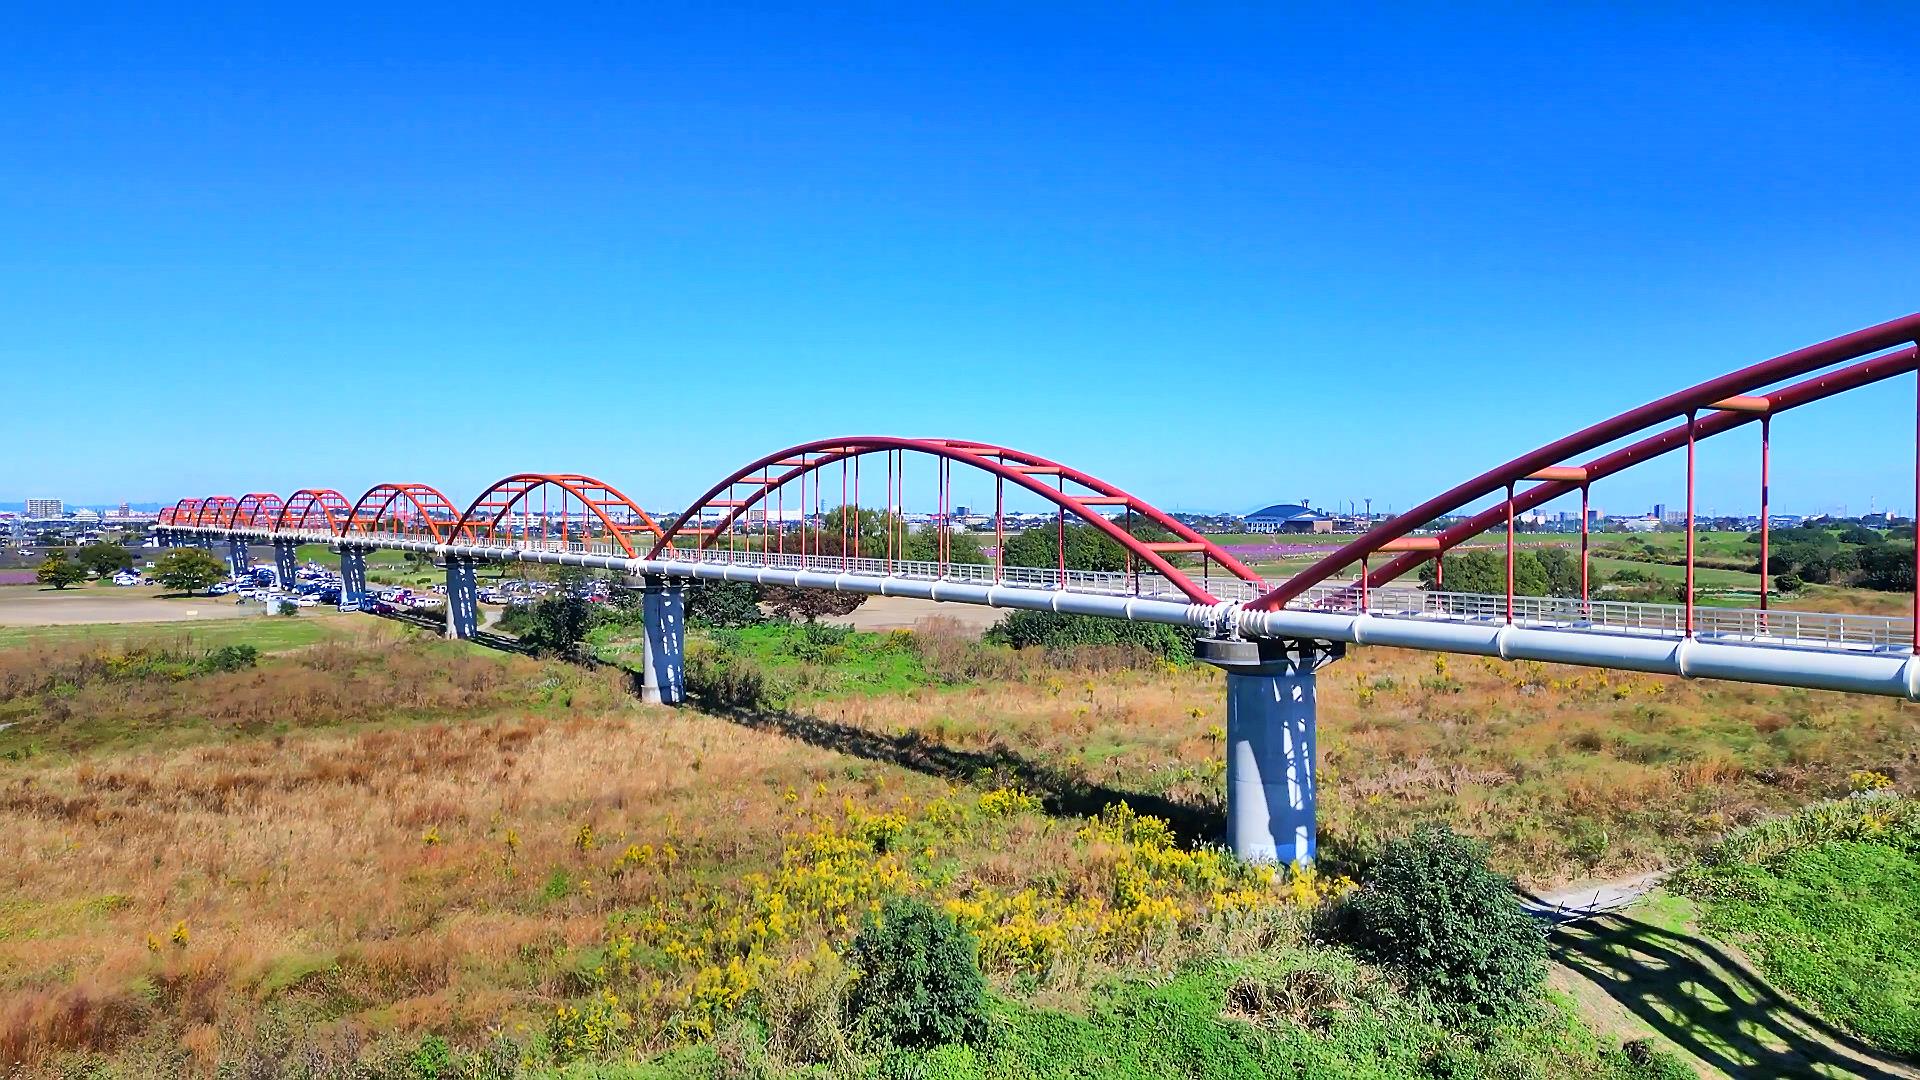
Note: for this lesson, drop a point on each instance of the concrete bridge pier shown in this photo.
(1271, 719)
(463, 598)
(239, 559)
(285, 564)
(663, 608)
(353, 576)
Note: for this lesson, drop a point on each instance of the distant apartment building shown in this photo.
(45, 508)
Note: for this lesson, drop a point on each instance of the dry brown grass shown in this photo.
(401, 878)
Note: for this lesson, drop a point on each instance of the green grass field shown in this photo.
(1828, 902)
(1703, 577)
(263, 632)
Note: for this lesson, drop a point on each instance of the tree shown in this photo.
(1433, 909)
(788, 602)
(1485, 572)
(1088, 548)
(919, 984)
(872, 529)
(723, 604)
(106, 560)
(1888, 566)
(189, 570)
(1561, 567)
(554, 624)
(60, 571)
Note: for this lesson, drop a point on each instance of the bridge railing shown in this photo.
(1802, 629)
(1146, 583)
(1792, 629)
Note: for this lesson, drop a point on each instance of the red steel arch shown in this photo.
(414, 510)
(1007, 465)
(181, 513)
(254, 506)
(619, 516)
(1819, 388)
(215, 510)
(1729, 392)
(302, 506)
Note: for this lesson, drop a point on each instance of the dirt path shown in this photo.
(901, 612)
(1637, 967)
(31, 605)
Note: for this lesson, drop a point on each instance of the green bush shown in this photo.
(723, 676)
(723, 604)
(1054, 631)
(1434, 911)
(1641, 1060)
(231, 658)
(916, 983)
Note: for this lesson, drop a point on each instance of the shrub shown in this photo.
(1641, 1060)
(1787, 583)
(727, 678)
(1056, 632)
(723, 604)
(917, 983)
(1434, 911)
(231, 658)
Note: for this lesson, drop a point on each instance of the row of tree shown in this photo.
(62, 568)
(183, 570)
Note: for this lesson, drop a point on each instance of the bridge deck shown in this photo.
(1824, 631)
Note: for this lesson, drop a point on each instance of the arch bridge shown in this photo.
(799, 517)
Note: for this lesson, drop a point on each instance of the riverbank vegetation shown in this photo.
(389, 855)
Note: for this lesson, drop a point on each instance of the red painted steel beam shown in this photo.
(1001, 462)
(214, 509)
(432, 507)
(248, 510)
(503, 495)
(1865, 373)
(332, 505)
(1703, 396)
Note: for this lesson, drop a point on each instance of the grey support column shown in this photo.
(285, 563)
(239, 559)
(663, 607)
(1270, 744)
(463, 599)
(353, 577)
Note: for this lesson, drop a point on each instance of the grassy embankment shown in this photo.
(237, 865)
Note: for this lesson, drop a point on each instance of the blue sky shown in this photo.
(1220, 256)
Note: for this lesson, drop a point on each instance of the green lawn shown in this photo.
(264, 632)
(1834, 918)
(1703, 577)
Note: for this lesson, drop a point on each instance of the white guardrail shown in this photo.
(1790, 629)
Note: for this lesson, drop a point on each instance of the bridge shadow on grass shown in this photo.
(1062, 792)
(437, 624)
(1711, 1004)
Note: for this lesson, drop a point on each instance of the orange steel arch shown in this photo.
(254, 506)
(302, 505)
(215, 510)
(1007, 465)
(620, 516)
(422, 511)
(181, 513)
